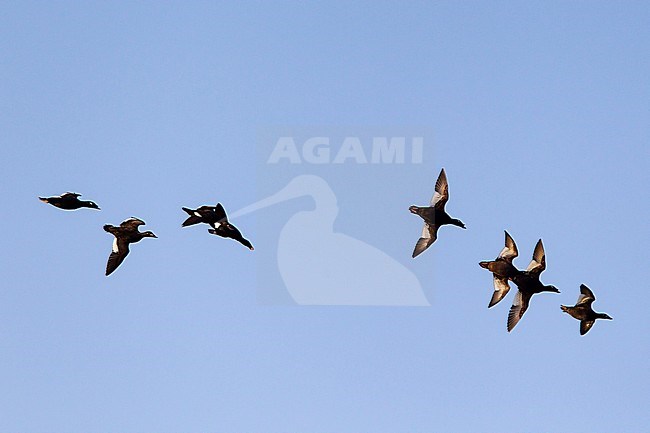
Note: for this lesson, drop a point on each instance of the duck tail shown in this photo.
(43, 199)
(108, 227)
(484, 264)
(564, 308)
(189, 211)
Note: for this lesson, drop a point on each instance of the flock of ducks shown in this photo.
(527, 281)
(128, 233)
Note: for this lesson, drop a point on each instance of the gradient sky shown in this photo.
(540, 115)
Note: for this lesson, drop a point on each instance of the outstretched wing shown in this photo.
(538, 264)
(429, 235)
(585, 326)
(510, 251)
(501, 289)
(70, 195)
(132, 223)
(441, 194)
(586, 296)
(193, 217)
(119, 252)
(190, 221)
(518, 308)
(221, 214)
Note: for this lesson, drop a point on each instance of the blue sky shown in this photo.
(538, 112)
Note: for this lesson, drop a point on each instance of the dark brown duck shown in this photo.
(582, 310)
(528, 284)
(127, 233)
(434, 215)
(502, 269)
(69, 201)
(226, 230)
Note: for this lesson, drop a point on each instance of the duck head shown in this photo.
(458, 223)
(603, 316)
(148, 234)
(551, 289)
(92, 205)
(247, 244)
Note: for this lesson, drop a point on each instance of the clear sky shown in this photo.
(540, 114)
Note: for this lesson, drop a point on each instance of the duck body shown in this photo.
(501, 267)
(125, 234)
(434, 215)
(69, 201)
(530, 283)
(583, 311)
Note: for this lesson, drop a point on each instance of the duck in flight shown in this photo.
(502, 269)
(127, 233)
(69, 201)
(528, 284)
(582, 310)
(226, 230)
(434, 215)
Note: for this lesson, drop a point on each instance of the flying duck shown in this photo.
(226, 230)
(582, 310)
(68, 201)
(528, 284)
(434, 215)
(127, 233)
(502, 270)
(203, 214)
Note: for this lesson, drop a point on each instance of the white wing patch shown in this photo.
(425, 232)
(197, 214)
(501, 289)
(500, 284)
(436, 198)
(115, 248)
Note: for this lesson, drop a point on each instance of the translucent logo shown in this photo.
(311, 251)
(321, 150)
